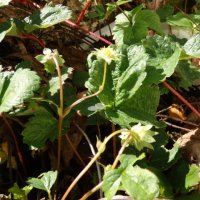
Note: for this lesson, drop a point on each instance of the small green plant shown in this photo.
(124, 87)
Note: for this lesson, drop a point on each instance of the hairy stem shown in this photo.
(101, 87)
(100, 151)
(97, 187)
(60, 112)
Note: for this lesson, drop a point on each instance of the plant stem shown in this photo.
(97, 187)
(83, 12)
(100, 151)
(60, 112)
(88, 32)
(93, 153)
(104, 77)
(101, 87)
(49, 195)
(181, 98)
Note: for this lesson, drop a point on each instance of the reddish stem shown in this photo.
(83, 12)
(88, 32)
(32, 37)
(181, 98)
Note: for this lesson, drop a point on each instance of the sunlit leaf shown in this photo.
(54, 85)
(139, 183)
(20, 193)
(192, 46)
(45, 181)
(21, 87)
(111, 182)
(47, 16)
(192, 177)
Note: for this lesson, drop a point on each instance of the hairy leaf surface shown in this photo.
(192, 46)
(41, 127)
(47, 16)
(21, 87)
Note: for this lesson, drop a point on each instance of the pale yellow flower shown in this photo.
(107, 53)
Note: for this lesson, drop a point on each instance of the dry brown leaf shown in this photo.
(190, 144)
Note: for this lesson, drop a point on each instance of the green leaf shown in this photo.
(4, 81)
(187, 74)
(111, 182)
(47, 16)
(139, 183)
(151, 20)
(112, 177)
(124, 95)
(177, 176)
(134, 26)
(47, 59)
(7, 28)
(142, 105)
(95, 79)
(21, 87)
(41, 127)
(45, 181)
(54, 85)
(164, 12)
(163, 58)
(192, 46)
(163, 158)
(164, 185)
(132, 78)
(98, 13)
(192, 178)
(4, 2)
(20, 193)
(180, 20)
(123, 31)
(129, 160)
(111, 7)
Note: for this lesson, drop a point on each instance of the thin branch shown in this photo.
(177, 119)
(60, 112)
(83, 12)
(178, 127)
(75, 151)
(93, 153)
(121, 10)
(97, 187)
(100, 150)
(88, 32)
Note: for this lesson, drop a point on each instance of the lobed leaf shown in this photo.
(139, 183)
(133, 26)
(47, 16)
(41, 127)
